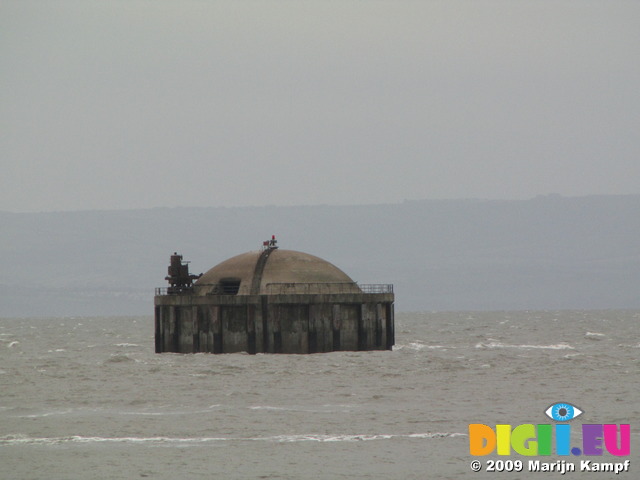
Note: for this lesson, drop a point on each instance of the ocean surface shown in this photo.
(87, 398)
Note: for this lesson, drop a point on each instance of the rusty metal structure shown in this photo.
(180, 281)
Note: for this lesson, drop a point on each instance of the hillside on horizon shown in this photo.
(548, 252)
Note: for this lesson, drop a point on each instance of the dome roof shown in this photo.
(274, 271)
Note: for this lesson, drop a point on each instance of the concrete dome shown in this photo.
(274, 271)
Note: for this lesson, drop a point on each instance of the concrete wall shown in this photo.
(273, 323)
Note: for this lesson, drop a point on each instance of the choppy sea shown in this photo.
(87, 398)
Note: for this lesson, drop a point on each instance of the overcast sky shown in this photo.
(136, 104)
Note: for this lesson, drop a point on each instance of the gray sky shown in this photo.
(136, 104)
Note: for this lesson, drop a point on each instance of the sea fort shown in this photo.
(271, 301)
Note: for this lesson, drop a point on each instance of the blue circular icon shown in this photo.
(562, 412)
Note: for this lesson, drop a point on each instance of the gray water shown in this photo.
(87, 398)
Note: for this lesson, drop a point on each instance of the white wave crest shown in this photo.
(185, 441)
(558, 346)
(266, 407)
(298, 408)
(594, 336)
(417, 346)
(46, 414)
(357, 438)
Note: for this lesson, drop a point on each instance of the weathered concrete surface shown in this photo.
(257, 271)
(294, 323)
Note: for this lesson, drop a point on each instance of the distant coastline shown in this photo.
(548, 252)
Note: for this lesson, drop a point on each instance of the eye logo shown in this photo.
(562, 412)
(539, 440)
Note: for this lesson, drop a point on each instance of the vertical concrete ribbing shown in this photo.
(258, 271)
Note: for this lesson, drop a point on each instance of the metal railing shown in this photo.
(376, 287)
(319, 288)
(296, 288)
(173, 290)
(292, 288)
